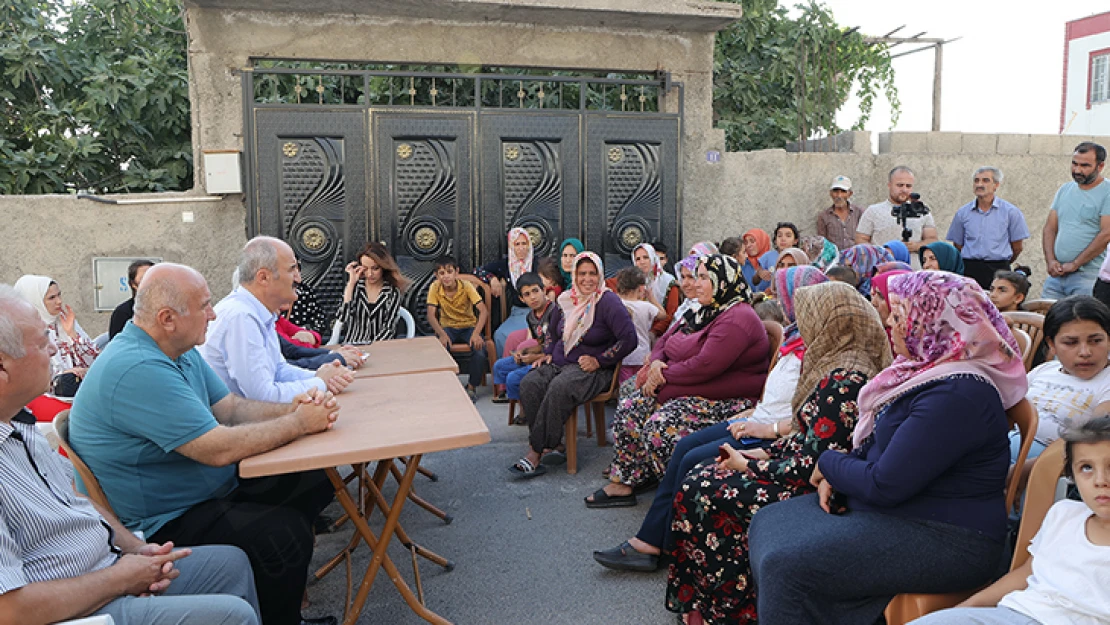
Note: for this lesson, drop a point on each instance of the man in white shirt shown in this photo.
(242, 345)
(878, 226)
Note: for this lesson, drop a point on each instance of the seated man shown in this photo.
(163, 435)
(451, 304)
(125, 311)
(61, 557)
(243, 347)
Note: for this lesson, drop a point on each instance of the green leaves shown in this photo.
(94, 96)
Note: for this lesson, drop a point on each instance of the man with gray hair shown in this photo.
(243, 347)
(163, 436)
(62, 556)
(988, 231)
(878, 225)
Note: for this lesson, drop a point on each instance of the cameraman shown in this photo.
(878, 226)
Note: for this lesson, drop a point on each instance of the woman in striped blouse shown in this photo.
(372, 297)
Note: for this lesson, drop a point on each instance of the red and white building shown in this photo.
(1085, 109)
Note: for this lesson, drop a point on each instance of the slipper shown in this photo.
(520, 420)
(500, 399)
(525, 470)
(603, 499)
(554, 458)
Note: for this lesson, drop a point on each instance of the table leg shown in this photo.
(345, 554)
(380, 546)
(417, 499)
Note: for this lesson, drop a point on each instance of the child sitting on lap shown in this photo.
(512, 368)
(641, 305)
(451, 304)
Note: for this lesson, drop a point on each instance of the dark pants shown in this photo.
(549, 394)
(476, 361)
(1102, 291)
(688, 452)
(982, 271)
(815, 567)
(270, 519)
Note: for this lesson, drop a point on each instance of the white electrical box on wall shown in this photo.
(221, 172)
(110, 286)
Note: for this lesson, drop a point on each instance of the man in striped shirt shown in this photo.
(61, 557)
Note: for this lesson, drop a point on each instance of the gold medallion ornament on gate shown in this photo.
(512, 152)
(616, 154)
(534, 234)
(404, 151)
(289, 149)
(632, 236)
(314, 239)
(425, 238)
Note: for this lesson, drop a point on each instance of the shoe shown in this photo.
(525, 470)
(323, 620)
(554, 458)
(323, 524)
(500, 399)
(472, 394)
(603, 499)
(624, 558)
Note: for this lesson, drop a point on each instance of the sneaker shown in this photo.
(500, 399)
(472, 393)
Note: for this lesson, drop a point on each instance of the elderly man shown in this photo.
(838, 222)
(163, 435)
(243, 347)
(61, 557)
(878, 226)
(1078, 227)
(988, 231)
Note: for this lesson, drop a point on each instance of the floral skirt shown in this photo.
(644, 433)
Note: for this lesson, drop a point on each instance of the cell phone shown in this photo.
(748, 442)
(722, 454)
(364, 356)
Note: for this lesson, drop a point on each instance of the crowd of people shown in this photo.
(865, 457)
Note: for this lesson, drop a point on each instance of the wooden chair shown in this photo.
(1033, 324)
(461, 350)
(909, 606)
(1039, 306)
(1025, 346)
(595, 408)
(92, 486)
(774, 337)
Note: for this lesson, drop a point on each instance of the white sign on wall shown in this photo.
(110, 288)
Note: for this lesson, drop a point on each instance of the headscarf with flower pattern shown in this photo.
(703, 248)
(729, 288)
(787, 281)
(579, 309)
(519, 266)
(888, 267)
(863, 259)
(950, 328)
(822, 252)
(659, 281)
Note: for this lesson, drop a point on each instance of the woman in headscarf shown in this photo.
(899, 250)
(924, 484)
(863, 259)
(941, 256)
(822, 252)
(661, 284)
(758, 259)
(568, 251)
(703, 248)
(770, 419)
(892, 266)
(711, 578)
(501, 275)
(76, 351)
(686, 270)
(880, 294)
(589, 335)
(791, 257)
(708, 367)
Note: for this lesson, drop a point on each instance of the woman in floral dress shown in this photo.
(710, 578)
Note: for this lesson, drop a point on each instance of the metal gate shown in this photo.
(447, 163)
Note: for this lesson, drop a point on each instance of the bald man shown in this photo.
(61, 556)
(163, 434)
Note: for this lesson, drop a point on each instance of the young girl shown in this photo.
(552, 277)
(791, 257)
(1009, 288)
(786, 236)
(1067, 576)
(644, 310)
(372, 296)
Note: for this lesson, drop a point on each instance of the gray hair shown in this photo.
(899, 169)
(161, 289)
(259, 253)
(11, 331)
(996, 173)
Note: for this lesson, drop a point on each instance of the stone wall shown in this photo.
(58, 236)
(758, 189)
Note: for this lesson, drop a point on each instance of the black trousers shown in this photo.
(270, 519)
(982, 271)
(1101, 291)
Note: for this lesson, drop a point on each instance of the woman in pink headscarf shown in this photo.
(501, 275)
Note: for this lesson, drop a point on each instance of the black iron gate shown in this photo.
(435, 163)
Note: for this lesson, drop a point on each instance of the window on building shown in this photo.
(1100, 78)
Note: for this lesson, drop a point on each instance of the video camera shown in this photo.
(909, 210)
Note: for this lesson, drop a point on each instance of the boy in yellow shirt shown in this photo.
(451, 304)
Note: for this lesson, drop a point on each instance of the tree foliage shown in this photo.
(780, 78)
(94, 95)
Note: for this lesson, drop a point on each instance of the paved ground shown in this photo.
(508, 568)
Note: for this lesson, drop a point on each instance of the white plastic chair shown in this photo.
(410, 323)
(336, 333)
(102, 619)
(100, 341)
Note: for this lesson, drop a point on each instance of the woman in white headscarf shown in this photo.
(76, 351)
(501, 275)
(662, 286)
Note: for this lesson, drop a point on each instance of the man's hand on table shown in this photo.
(352, 354)
(336, 376)
(318, 413)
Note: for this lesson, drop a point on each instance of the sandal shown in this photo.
(525, 470)
(554, 458)
(602, 499)
(500, 399)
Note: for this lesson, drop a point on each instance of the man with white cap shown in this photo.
(838, 222)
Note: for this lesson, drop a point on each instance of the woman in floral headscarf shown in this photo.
(924, 484)
(708, 367)
(863, 259)
(661, 285)
(589, 335)
(821, 251)
(501, 275)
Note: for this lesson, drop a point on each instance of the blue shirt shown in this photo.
(134, 408)
(768, 262)
(987, 236)
(1078, 213)
(243, 349)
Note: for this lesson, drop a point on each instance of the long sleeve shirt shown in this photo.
(244, 351)
(611, 337)
(939, 453)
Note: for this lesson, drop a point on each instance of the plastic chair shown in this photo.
(1040, 494)
(336, 332)
(1033, 324)
(909, 606)
(774, 337)
(1039, 306)
(595, 414)
(410, 323)
(101, 341)
(1025, 345)
(92, 486)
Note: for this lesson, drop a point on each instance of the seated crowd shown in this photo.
(863, 454)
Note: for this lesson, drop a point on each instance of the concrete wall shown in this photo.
(58, 236)
(758, 189)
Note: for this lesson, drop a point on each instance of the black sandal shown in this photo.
(525, 470)
(602, 499)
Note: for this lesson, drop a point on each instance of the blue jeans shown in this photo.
(476, 361)
(517, 321)
(216, 587)
(1076, 283)
(1015, 445)
(507, 372)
